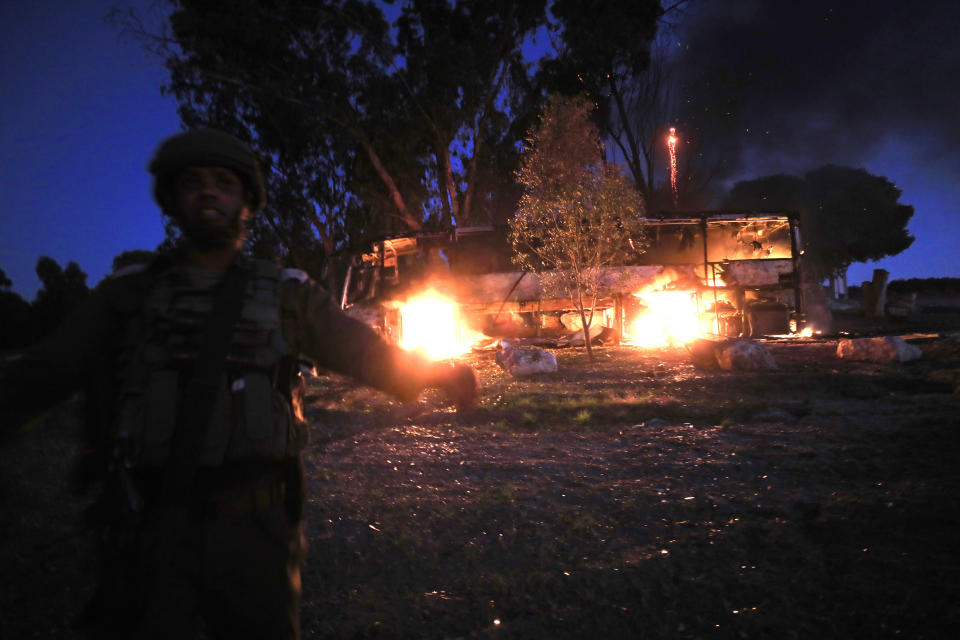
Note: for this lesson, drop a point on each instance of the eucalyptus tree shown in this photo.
(847, 214)
(366, 125)
(606, 52)
(467, 80)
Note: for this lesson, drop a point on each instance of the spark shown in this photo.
(672, 146)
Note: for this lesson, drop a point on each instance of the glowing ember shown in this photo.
(430, 322)
(671, 316)
(808, 332)
(672, 146)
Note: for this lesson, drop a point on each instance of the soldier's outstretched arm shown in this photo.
(336, 341)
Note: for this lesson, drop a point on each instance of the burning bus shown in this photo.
(707, 273)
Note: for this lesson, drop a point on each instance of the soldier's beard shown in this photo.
(205, 234)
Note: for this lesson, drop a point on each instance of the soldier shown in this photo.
(194, 408)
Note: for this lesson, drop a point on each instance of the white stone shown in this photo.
(525, 361)
(880, 349)
(571, 320)
(745, 355)
(576, 339)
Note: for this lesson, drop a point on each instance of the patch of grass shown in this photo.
(494, 496)
(582, 523)
(500, 425)
(523, 401)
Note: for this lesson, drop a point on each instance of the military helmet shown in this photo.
(204, 147)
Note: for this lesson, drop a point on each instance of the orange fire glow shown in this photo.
(429, 321)
(670, 317)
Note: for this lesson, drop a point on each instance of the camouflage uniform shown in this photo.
(238, 560)
(232, 555)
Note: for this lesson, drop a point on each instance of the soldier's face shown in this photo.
(212, 206)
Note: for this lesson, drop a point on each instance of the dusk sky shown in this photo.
(82, 113)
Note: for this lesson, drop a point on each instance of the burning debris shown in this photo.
(668, 317)
(431, 322)
(716, 274)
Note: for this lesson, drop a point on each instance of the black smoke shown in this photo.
(767, 86)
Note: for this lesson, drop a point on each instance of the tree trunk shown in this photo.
(583, 324)
(452, 211)
(328, 249)
(387, 179)
(875, 296)
(497, 72)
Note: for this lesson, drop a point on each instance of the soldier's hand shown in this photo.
(460, 384)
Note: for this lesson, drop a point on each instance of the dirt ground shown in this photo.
(635, 496)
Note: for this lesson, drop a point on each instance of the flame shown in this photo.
(671, 316)
(429, 321)
(807, 332)
(672, 146)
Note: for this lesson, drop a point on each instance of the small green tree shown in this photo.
(577, 214)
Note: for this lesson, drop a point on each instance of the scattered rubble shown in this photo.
(879, 349)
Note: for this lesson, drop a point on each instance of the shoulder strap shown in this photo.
(170, 516)
(203, 389)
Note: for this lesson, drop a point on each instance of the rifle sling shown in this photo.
(204, 388)
(169, 518)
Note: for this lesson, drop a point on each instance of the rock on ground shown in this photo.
(745, 355)
(735, 354)
(525, 361)
(576, 338)
(880, 349)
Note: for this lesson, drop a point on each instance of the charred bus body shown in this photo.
(742, 269)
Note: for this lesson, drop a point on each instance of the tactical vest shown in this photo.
(253, 416)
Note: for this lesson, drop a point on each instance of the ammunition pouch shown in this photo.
(254, 412)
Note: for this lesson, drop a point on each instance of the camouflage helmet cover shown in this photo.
(204, 147)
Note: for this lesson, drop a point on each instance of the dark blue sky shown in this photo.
(82, 113)
(861, 83)
(80, 117)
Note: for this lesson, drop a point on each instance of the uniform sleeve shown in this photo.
(316, 327)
